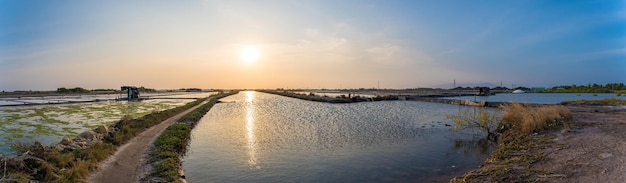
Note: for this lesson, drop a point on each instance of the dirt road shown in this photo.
(126, 164)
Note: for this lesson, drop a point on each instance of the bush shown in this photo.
(476, 119)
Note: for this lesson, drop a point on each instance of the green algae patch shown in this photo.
(55, 121)
(74, 165)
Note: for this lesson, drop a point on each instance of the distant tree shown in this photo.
(62, 90)
(72, 90)
(144, 89)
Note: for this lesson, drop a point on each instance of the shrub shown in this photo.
(476, 119)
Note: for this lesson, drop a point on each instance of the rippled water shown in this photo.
(258, 137)
(540, 98)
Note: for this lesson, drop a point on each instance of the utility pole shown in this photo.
(378, 84)
(454, 83)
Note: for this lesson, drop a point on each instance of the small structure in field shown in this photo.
(132, 93)
(484, 91)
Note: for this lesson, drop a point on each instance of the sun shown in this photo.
(249, 54)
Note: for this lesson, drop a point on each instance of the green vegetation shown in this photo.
(69, 119)
(129, 127)
(171, 145)
(589, 88)
(612, 101)
(41, 163)
(47, 164)
(521, 130)
(168, 149)
(144, 89)
(194, 116)
(73, 90)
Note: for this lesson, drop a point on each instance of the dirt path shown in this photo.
(126, 164)
(593, 151)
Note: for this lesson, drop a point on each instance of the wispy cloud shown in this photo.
(595, 55)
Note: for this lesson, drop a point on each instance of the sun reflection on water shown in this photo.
(249, 107)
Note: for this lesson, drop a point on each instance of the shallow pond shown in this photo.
(258, 137)
(49, 123)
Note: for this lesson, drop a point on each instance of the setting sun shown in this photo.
(249, 54)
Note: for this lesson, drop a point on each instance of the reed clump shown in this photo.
(533, 119)
(520, 134)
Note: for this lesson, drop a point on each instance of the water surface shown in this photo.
(258, 137)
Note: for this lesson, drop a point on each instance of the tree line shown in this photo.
(589, 88)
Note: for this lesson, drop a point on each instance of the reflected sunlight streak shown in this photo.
(252, 161)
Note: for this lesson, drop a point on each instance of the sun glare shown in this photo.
(249, 54)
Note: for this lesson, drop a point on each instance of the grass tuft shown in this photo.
(533, 119)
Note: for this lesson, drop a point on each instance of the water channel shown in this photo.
(259, 137)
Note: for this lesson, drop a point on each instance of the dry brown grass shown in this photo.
(518, 150)
(533, 119)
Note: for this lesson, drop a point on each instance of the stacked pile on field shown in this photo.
(71, 160)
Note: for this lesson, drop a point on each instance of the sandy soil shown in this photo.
(592, 151)
(126, 164)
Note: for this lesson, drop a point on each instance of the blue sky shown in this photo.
(309, 44)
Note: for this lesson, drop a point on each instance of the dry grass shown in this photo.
(533, 119)
(518, 149)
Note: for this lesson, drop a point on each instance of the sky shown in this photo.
(45, 45)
